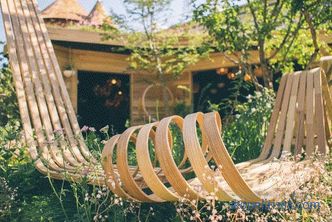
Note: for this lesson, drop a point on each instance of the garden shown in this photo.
(286, 36)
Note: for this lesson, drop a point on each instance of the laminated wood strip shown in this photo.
(300, 115)
(269, 140)
(144, 162)
(49, 83)
(212, 126)
(55, 86)
(63, 91)
(31, 97)
(280, 132)
(291, 112)
(195, 153)
(310, 145)
(319, 112)
(39, 91)
(167, 163)
(18, 82)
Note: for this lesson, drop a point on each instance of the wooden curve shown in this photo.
(45, 107)
(300, 125)
(298, 129)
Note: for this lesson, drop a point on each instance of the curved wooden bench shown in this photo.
(301, 121)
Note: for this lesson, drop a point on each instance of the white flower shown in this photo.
(104, 129)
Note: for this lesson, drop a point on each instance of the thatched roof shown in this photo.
(65, 10)
(98, 15)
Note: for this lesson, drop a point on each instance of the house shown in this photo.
(102, 88)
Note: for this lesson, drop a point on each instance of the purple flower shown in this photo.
(85, 129)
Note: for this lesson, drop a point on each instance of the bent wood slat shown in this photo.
(46, 120)
(65, 97)
(32, 78)
(301, 117)
(292, 123)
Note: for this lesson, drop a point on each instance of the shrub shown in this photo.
(7, 197)
(244, 133)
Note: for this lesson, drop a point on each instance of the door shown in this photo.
(103, 99)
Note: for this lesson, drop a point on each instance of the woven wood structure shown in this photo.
(300, 122)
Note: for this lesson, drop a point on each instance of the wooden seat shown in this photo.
(300, 122)
(299, 128)
(44, 104)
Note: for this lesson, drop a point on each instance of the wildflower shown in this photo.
(58, 131)
(116, 201)
(92, 129)
(104, 129)
(84, 129)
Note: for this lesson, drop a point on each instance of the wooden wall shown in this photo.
(115, 63)
(94, 61)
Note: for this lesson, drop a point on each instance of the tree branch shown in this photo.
(313, 36)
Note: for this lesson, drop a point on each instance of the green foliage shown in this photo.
(238, 89)
(244, 135)
(282, 31)
(9, 113)
(182, 109)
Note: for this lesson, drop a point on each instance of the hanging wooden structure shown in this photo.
(300, 122)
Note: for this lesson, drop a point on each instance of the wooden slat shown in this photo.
(41, 95)
(290, 122)
(63, 90)
(319, 112)
(310, 149)
(301, 115)
(32, 103)
(18, 82)
(280, 132)
(56, 106)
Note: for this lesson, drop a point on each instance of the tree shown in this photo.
(282, 31)
(165, 53)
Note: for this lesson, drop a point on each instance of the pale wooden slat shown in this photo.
(301, 115)
(18, 82)
(51, 66)
(319, 112)
(310, 149)
(32, 102)
(274, 118)
(39, 91)
(212, 126)
(64, 93)
(45, 67)
(196, 156)
(144, 162)
(280, 132)
(290, 122)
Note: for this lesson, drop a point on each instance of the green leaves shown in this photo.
(277, 30)
(244, 134)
